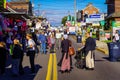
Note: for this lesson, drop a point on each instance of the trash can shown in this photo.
(79, 39)
(114, 51)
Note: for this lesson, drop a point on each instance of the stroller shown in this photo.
(80, 59)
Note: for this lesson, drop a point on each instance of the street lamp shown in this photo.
(75, 10)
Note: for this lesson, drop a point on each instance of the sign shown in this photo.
(102, 23)
(68, 23)
(71, 30)
(96, 24)
(115, 23)
(95, 16)
(91, 20)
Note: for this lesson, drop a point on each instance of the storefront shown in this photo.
(14, 21)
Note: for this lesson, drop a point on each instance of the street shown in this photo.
(104, 69)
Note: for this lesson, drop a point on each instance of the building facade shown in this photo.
(113, 10)
(21, 6)
(88, 10)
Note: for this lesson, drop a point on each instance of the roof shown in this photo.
(114, 15)
(89, 6)
(15, 15)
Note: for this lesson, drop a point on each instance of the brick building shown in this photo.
(88, 10)
(21, 6)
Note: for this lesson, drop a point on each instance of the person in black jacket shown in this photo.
(16, 57)
(89, 48)
(3, 57)
(65, 60)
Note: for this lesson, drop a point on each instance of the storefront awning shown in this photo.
(114, 15)
(15, 15)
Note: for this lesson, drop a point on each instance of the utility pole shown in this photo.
(38, 9)
(75, 10)
(32, 7)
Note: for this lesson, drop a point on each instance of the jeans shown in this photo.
(31, 58)
(43, 48)
(15, 66)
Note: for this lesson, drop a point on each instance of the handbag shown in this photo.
(71, 51)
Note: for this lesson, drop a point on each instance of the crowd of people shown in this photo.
(16, 44)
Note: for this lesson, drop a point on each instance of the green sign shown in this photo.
(69, 18)
(102, 23)
(115, 24)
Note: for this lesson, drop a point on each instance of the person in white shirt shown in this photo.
(58, 38)
(31, 51)
(117, 37)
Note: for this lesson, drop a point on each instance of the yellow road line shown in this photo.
(48, 77)
(55, 75)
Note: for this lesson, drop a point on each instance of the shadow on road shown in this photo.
(107, 58)
(27, 75)
(99, 60)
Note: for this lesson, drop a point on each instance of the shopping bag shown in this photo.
(71, 51)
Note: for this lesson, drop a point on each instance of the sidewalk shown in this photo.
(102, 46)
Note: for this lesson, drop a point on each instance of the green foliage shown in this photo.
(64, 19)
(107, 41)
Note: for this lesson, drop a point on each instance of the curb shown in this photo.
(102, 50)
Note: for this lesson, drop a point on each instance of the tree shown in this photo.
(64, 19)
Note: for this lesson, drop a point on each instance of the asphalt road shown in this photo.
(104, 69)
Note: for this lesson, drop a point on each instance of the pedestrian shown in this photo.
(58, 39)
(31, 51)
(42, 39)
(70, 44)
(89, 49)
(116, 37)
(65, 65)
(3, 57)
(16, 57)
(52, 42)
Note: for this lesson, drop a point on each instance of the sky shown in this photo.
(55, 10)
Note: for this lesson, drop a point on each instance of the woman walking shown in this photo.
(65, 65)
